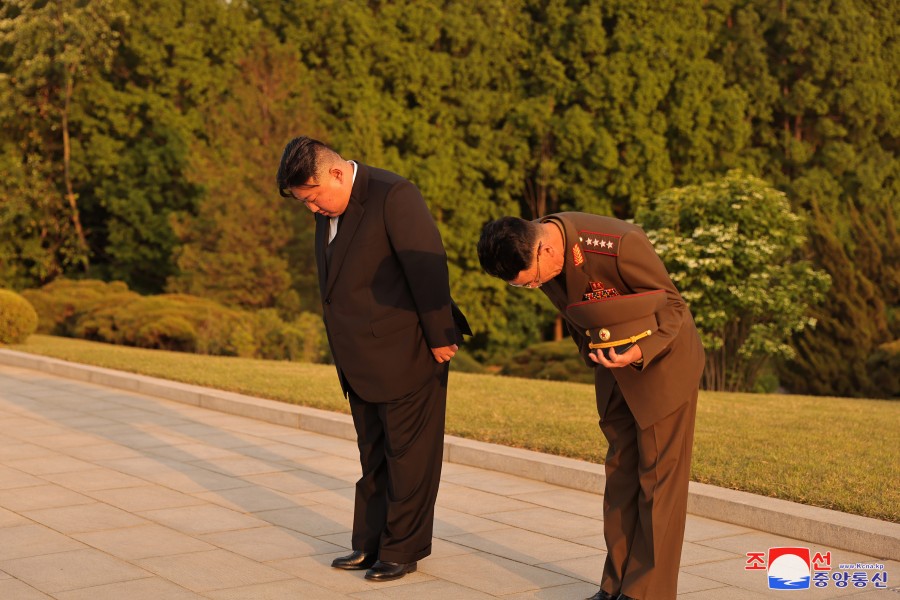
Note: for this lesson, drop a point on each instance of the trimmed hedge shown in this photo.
(558, 361)
(18, 318)
(884, 367)
(110, 312)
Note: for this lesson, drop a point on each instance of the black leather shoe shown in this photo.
(624, 597)
(601, 595)
(386, 571)
(355, 561)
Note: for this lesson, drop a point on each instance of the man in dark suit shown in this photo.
(646, 378)
(393, 329)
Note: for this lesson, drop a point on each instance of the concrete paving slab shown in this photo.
(13, 588)
(151, 588)
(548, 521)
(689, 583)
(211, 570)
(144, 497)
(255, 535)
(102, 450)
(253, 499)
(587, 568)
(594, 541)
(317, 569)
(62, 571)
(315, 519)
(240, 465)
(695, 554)
(50, 463)
(94, 479)
(144, 541)
(426, 589)
(498, 483)
(492, 574)
(297, 481)
(271, 543)
(337, 497)
(84, 517)
(699, 528)
(31, 539)
(449, 523)
(181, 477)
(13, 449)
(285, 453)
(569, 591)
(523, 546)
(9, 518)
(573, 501)
(41, 496)
(293, 589)
(476, 502)
(203, 518)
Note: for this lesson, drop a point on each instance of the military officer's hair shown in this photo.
(506, 247)
(303, 159)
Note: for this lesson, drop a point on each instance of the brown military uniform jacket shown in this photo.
(607, 257)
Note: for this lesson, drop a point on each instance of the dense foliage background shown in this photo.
(139, 141)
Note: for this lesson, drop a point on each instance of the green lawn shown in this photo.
(837, 453)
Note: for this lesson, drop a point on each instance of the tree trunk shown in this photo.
(67, 153)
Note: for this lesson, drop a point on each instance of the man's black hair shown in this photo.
(299, 163)
(506, 247)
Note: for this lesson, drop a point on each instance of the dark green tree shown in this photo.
(173, 58)
(234, 248)
(52, 52)
(824, 84)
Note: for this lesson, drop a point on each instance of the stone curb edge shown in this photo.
(872, 537)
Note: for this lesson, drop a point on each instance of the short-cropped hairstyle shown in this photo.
(299, 163)
(506, 247)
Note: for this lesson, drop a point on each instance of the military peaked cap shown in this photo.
(618, 321)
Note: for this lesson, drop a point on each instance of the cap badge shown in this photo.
(604, 335)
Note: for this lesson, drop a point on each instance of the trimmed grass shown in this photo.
(836, 453)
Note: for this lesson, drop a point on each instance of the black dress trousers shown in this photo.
(400, 450)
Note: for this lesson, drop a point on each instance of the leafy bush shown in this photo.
(110, 312)
(18, 318)
(464, 362)
(175, 322)
(303, 339)
(884, 367)
(168, 333)
(559, 361)
(61, 303)
(735, 249)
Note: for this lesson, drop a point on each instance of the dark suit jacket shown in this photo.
(386, 292)
(627, 263)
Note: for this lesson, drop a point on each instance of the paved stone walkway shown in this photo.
(106, 494)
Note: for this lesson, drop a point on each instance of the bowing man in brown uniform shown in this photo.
(646, 395)
(393, 329)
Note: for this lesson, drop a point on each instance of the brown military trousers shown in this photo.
(645, 501)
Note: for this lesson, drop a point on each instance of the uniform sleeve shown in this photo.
(417, 245)
(642, 271)
(582, 341)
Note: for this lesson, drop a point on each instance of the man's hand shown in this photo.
(617, 361)
(444, 353)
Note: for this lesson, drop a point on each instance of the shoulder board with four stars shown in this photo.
(600, 243)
